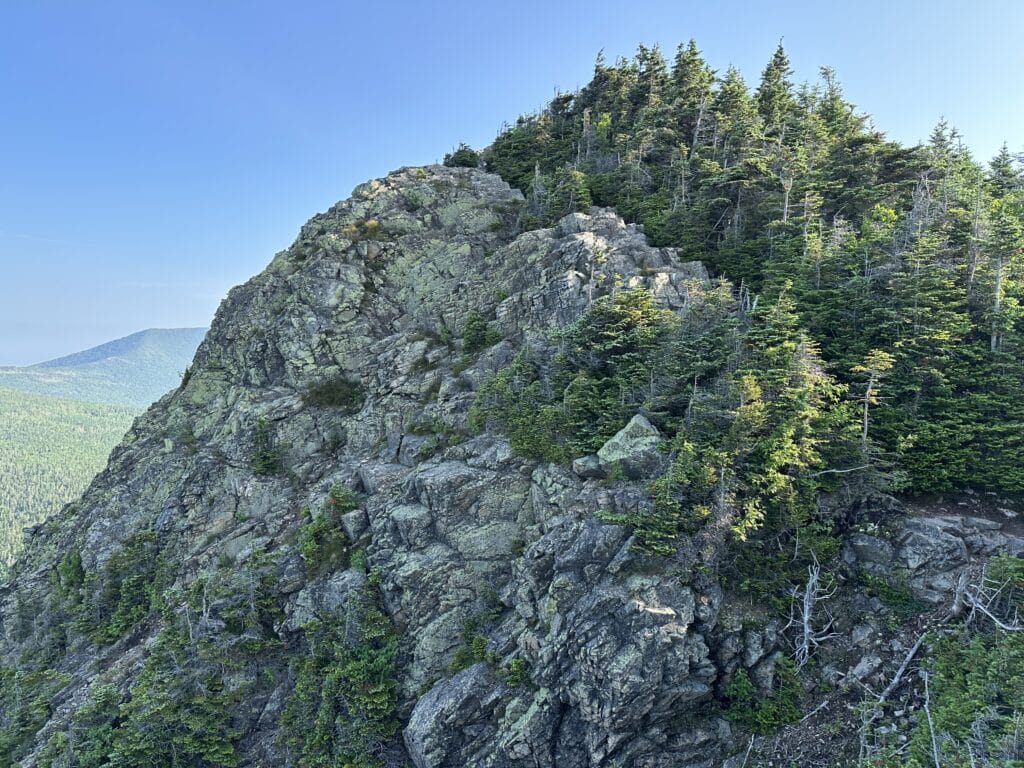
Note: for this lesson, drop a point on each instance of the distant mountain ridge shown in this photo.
(135, 370)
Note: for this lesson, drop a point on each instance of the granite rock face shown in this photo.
(376, 293)
(932, 551)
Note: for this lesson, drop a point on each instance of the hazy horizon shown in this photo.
(90, 346)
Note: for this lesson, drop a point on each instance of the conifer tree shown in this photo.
(774, 96)
(914, 252)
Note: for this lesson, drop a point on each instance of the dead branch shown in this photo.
(750, 746)
(839, 471)
(985, 598)
(816, 710)
(931, 725)
(900, 672)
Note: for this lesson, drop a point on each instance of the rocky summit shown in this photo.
(322, 549)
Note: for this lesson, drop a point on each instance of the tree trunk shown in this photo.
(864, 426)
(696, 127)
(972, 251)
(997, 305)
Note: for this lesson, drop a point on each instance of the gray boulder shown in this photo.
(588, 467)
(633, 450)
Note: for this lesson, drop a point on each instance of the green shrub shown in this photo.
(462, 362)
(322, 541)
(439, 434)
(474, 644)
(478, 334)
(123, 592)
(337, 392)
(347, 677)
(267, 458)
(463, 157)
(514, 400)
(973, 679)
(25, 706)
(71, 576)
(432, 426)
(422, 365)
(478, 646)
(341, 499)
(179, 709)
(94, 726)
(462, 659)
(587, 394)
(429, 447)
(1006, 573)
(764, 715)
(893, 591)
(357, 560)
(516, 674)
(322, 546)
(54, 752)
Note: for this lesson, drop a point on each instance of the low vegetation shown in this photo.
(765, 713)
(322, 541)
(751, 418)
(338, 392)
(478, 334)
(214, 640)
(341, 711)
(267, 455)
(976, 681)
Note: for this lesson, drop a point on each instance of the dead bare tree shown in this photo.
(989, 599)
(802, 615)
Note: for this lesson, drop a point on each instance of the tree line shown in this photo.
(903, 263)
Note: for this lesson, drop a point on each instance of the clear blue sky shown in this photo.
(154, 154)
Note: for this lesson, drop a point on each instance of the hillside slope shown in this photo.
(133, 371)
(436, 493)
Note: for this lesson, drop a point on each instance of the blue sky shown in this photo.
(152, 155)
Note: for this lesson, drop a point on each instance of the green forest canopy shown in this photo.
(904, 263)
(50, 449)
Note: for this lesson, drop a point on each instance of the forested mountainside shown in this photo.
(133, 371)
(475, 476)
(60, 419)
(902, 263)
(50, 449)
